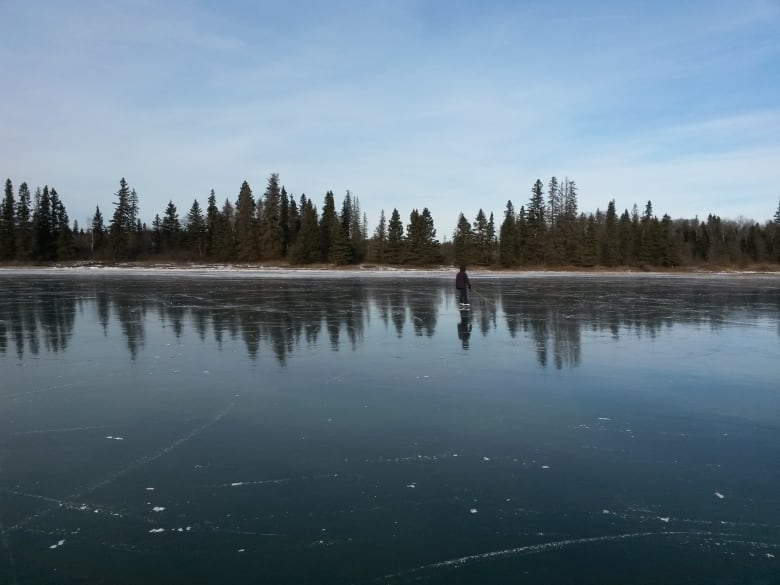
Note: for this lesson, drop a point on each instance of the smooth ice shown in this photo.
(355, 427)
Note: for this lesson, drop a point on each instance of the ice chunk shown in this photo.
(720, 495)
(158, 509)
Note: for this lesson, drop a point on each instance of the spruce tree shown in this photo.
(463, 241)
(536, 224)
(330, 229)
(24, 231)
(171, 228)
(245, 230)
(121, 228)
(43, 238)
(98, 231)
(196, 230)
(212, 224)
(379, 244)
(395, 239)
(507, 239)
(306, 248)
(8, 223)
(609, 244)
(271, 233)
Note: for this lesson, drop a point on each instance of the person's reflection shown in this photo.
(464, 328)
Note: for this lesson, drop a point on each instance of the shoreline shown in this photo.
(325, 270)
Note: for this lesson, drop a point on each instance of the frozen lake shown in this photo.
(227, 428)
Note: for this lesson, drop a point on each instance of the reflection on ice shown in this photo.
(283, 316)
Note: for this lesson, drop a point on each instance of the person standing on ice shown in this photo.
(462, 284)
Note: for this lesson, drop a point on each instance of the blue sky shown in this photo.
(452, 105)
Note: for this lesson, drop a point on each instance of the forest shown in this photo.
(547, 231)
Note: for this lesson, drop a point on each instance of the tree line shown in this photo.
(546, 231)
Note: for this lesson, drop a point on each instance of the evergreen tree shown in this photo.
(245, 230)
(43, 237)
(306, 248)
(536, 224)
(507, 240)
(484, 236)
(271, 232)
(227, 243)
(294, 221)
(122, 223)
(554, 201)
(395, 239)
(463, 241)
(97, 231)
(341, 247)
(609, 244)
(8, 223)
(157, 237)
(196, 229)
(213, 220)
(24, 229)
(625, 240)
(423, 247)
(284, 220)
(171, 228)
(62, 235)
(330, 229)
(380, 239)
(777, 214)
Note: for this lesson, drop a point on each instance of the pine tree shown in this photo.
(97, 231)
(777, 214)
(284, 220)
(171, 228)
(536, 224)
(24, 229)
(330, 228)
(554, 201)
(43, 237)
(379, 244)
(423, 247)
(271, 233)
(306, 248)
(8, 223)
(122, 224)
(609, 244)
(213, 220)
(395, 239)
(507, 240)
(196, 229)
(463, 241)
(245, 230)
(226, 238)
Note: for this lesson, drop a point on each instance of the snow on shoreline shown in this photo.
(261, 271)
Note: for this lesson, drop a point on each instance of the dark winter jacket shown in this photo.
(462, 280)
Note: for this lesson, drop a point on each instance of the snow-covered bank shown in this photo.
(330, 272)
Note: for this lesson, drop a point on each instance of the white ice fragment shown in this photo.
(770, 556)
(180, 530)
(604, 418)
(545, 467)
(189, 528)
(664, 519)
(158, 509)
(411, 485)
(59, 544)
(109, 437)
(605, 511)
(473, 511)
(486, 459)
(150, 489)
(454, 454)
(206, 372)
(330, 420)
(720, 495)
(236, 483)
(156, 530)
(241, 550)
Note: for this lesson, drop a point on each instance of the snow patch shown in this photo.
(59, 544)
